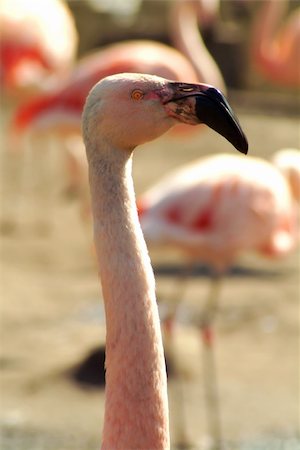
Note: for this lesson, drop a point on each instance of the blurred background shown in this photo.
(52, 318)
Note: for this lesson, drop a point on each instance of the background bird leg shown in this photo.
(169, 324)
(205, 325)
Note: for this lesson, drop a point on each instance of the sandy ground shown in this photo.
(52, 316)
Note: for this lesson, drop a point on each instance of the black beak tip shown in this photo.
(213, 109)
(242, 146)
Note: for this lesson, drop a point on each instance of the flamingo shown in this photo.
(188, 209)
(121, 112)
(276, 48)
(212, 210)
(38, 45)
(38, 39)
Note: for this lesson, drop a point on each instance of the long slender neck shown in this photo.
(264, 27)
(187, 38)
(136, 406)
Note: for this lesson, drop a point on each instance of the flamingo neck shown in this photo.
(187, 39)
(264, 46)
(136, 405)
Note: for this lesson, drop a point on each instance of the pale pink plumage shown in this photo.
(136, 407)
(276, 43)
(121, 112)
(37, 39)
(218, 207)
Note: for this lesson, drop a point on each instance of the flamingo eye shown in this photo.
(186, 89)
(137, 94)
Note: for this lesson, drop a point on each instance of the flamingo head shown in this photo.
(130, 109)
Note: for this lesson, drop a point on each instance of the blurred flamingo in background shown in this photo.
(57, 113)
(38, 45)
(213, 210)
(37, 39)
(61, 108)
(275, 45)
(194, 208)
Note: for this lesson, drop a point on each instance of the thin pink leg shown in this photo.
(209, 365)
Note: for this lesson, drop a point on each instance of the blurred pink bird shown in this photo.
(61, 108)
(213, 210)
(276, 44)
(121, 112)
(220, 206)
(37, 39)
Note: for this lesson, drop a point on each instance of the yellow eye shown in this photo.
(137, 94)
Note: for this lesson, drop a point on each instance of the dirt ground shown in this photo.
(52, 315)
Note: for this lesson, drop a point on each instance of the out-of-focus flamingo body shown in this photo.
(62, 107)
(213, 210)
(220, 206)
(276, 50)
(37, 40)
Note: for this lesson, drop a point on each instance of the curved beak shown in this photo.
(202, 103)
